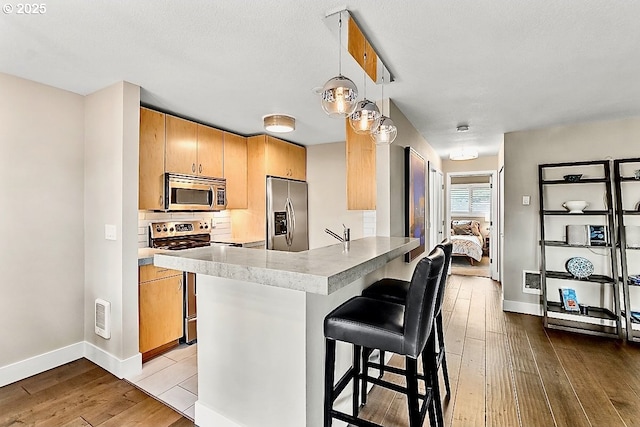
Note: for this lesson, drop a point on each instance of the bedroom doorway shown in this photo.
(472, 225)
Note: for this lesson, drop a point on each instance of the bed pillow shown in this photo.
(465, 227)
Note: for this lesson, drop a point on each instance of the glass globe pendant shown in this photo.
(339, 94)
(339, 97)
(385, 133)
(365, 118)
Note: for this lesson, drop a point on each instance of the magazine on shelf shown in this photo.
(569, 299)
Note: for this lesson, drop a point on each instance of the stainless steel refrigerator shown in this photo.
(287, 215)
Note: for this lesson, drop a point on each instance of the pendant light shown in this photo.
(366, 116)
(339, 94)
(386, 131)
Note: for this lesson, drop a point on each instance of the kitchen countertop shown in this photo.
(145, 255)
(320, 271)
(246, 241)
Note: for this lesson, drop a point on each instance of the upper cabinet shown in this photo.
(182, 146)
(361, 171)
(285, 160)
(193, 149)
(235, 170)
(210, 152)
(151, 167)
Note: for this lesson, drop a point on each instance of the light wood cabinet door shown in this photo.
(151, 272)
(235, 170)
(297, 160)
(210, 152)
(182, 143)
(361, 171)
(151, 164)
(277, 157)
(160, 312)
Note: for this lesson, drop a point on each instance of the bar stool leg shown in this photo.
(430, 369)
(357, 354)
(366, 353)
(329, 372)
(445, 371)
(381, 366)
(412, 391)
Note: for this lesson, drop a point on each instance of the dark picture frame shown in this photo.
(415, 200)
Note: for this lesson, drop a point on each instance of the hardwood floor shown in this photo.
(506, 370)
(81, 394)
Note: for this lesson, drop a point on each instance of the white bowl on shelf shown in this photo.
(575, 206)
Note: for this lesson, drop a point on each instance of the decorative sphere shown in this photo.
(339, 97)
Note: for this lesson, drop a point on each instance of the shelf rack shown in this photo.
(599, 321)
(632, 335)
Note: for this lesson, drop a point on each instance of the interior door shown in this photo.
(436, 206)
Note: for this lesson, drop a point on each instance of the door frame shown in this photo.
(494, 254)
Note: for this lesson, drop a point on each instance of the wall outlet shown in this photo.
(110, 232)
(213, 223)
(526, 200)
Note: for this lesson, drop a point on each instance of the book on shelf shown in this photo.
(569, 299)
(635, 316)
(634, 279)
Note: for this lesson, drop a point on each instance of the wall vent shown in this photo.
(103, 318)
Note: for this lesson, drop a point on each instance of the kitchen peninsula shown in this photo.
(260, 328)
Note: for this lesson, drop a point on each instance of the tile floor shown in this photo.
(172, 378)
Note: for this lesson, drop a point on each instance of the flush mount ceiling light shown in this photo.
(386, 131)
(366, 117)
(279, 123)
(463, 128)
(339, 94)
(463, 154)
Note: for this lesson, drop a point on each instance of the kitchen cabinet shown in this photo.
(361, 170)
(285, 160)
(192, 148)
(160, 298)
(151, 167)
(235, 170)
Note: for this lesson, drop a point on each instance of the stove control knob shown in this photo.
(158, 229)
(201, 227)
(206, 226)
(164, 228)
(171, 229)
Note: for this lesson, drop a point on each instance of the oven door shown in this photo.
(189, 194)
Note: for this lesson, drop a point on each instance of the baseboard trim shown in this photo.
(40, 363)
(52, 359)
(207, 417)
(522, 307)
(118, 367)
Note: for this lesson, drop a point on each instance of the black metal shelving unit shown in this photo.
(622, 213)
(589, 323)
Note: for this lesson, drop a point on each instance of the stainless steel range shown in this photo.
(183, 235)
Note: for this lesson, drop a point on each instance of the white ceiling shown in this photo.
(499, 66)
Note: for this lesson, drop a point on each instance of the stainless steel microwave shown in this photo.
(194, 193)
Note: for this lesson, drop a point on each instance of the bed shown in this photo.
(467, 239)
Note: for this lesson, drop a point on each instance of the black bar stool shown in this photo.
(404, 329)
(395, 290)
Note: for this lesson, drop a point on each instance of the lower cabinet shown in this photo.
(160, 299)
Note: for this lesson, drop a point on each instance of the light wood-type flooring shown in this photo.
(81, 394)
(505, 369)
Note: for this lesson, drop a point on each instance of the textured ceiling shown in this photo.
(499, 66)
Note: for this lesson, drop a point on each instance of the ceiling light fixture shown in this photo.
(339, 94)
(366, 117)
(279, 123)
(386, 132)
(463, 128)
(463, 154)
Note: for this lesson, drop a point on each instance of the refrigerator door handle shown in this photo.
(290, 221)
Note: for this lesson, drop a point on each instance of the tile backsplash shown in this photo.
(368, 223)
(221, 222)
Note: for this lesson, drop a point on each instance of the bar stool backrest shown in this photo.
(447, 247)
(421, 302)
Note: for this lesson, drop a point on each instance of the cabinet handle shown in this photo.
(180, 287)
(193, 167)
(160, 201)
(200, 169)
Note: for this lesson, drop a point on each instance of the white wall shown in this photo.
(41, 211)
(485, 163)
(390, 170)
(111, 197)
(523, 151)
(326, 178)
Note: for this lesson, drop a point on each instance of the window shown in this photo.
(471, 199)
